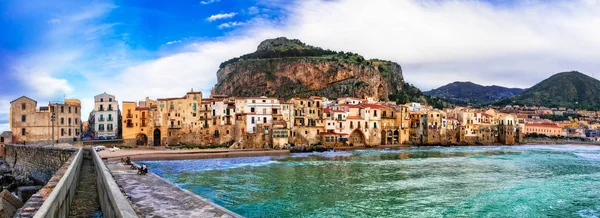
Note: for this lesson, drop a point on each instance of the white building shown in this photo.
(106, 115)
(260, 110)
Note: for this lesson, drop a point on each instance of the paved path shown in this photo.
(155, 197)
(86, 202)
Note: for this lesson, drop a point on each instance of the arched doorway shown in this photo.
(396, 139)
(390, 139)
(357, 138)
(157, 138)
(141, 139)
(383, 138)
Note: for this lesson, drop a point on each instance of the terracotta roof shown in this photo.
(545, 125)
(354, 118)
(375, 106)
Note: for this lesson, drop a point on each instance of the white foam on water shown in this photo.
(593, 156)
(588, 213)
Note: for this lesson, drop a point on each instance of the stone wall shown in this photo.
(54, 199)
(38, 163)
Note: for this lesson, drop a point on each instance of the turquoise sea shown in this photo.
(502, 181)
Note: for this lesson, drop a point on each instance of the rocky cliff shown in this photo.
(286, 68)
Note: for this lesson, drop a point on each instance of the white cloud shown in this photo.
(4, 127)
(230, 24)
(221, 16)
(173, 42)
(53, 21)
(253, 10)
(209, 2)
(435, 42)
(44, 85)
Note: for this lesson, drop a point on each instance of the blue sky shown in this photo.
(133, 49)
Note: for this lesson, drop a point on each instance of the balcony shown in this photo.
(110, 119)
(129, 116)
(100, 119)
(174, 126)
(101, 130)
(110, 109)
(129, 125)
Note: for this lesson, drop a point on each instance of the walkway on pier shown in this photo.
(155, 197)
(86, 202)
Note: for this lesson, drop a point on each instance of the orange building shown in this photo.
(549, 129)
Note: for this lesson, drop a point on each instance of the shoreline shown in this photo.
(141, 154)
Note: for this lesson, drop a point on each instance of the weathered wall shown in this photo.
(54, 199)
(38, 163)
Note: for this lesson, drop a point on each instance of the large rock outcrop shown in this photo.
(287, 68)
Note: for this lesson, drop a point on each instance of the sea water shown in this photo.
(503, 181)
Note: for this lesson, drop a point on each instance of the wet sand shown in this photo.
(138, 154)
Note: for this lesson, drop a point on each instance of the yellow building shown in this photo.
(137, 123)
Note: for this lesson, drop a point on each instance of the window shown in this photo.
(252, 120)
(110, 117)
(264, 111)
(109, 99)
(69, 109)
(23, 106)
(253, 101)
(62, 132)
(101, 99)
(23, 131)
(62, 109)
(23, 118)
(62, 120)
(375, 113)
(101, 107)
(69, 132)
(76, 120)
(375, 125)
(76, 110)
(251, 110)
(227, 132)
(264, 120)
(69, 121)
(1, 139)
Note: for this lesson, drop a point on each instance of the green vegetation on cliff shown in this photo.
(287, 68)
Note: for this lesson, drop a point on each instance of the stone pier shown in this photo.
(156, 197)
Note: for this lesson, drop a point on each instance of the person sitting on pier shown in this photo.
(143, 170)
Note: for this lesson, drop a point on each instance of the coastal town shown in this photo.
(265, 122)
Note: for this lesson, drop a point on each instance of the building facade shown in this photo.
(33, 125)
(106, 116)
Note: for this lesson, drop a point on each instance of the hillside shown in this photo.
(287, 68)
(567, 89)
(471, 93)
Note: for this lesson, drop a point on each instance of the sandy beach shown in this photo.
(137, 154)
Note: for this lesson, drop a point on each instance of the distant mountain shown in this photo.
(471, 93)
(567, 89)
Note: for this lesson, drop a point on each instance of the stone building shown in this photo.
(106, 115)
(32, 125)
(137, 122)
(176, 120)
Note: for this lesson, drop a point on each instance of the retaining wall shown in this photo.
(38, 163)
(54, 199)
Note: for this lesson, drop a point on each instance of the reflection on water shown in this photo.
(530, 181)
